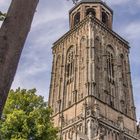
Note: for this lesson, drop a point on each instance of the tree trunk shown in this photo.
(13, 34)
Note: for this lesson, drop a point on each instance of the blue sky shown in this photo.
(51, 21)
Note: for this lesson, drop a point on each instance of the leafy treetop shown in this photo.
(26, 117)
(2, 16)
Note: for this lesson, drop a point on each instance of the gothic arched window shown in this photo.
(111, 75)
(110, 64)
(104, 18)
(124, 84)
(90, 11)
(57, 70)
(69, 70)
(77, 18)
(57, 84)
(70, 62)
(123, 69)
(82, 66)
(98, 68)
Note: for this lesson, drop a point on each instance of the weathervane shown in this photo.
(75, 1)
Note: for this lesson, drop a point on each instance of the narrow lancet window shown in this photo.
(70, 63)
(104, 18)
(111, 75)
(77, 18)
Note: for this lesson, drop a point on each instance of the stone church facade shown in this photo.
(91, 90)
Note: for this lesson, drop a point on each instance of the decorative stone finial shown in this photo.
(74, 1)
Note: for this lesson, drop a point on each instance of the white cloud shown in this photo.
(4, 4)
(35, 68)
(27, 82)
(46, 16)
(50, 13)
(132, 30)
(116, 2)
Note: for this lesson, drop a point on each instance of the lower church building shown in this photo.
(91, 89)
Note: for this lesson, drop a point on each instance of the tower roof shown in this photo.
(91, 1)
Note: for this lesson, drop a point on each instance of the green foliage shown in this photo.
(26, 117)
(2, 16)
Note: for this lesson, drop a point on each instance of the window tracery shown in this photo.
(69, 70)
(110, 64)
(124, 84)
(70, 63)
(111, 75)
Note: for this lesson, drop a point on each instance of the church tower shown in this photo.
(91, 90)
